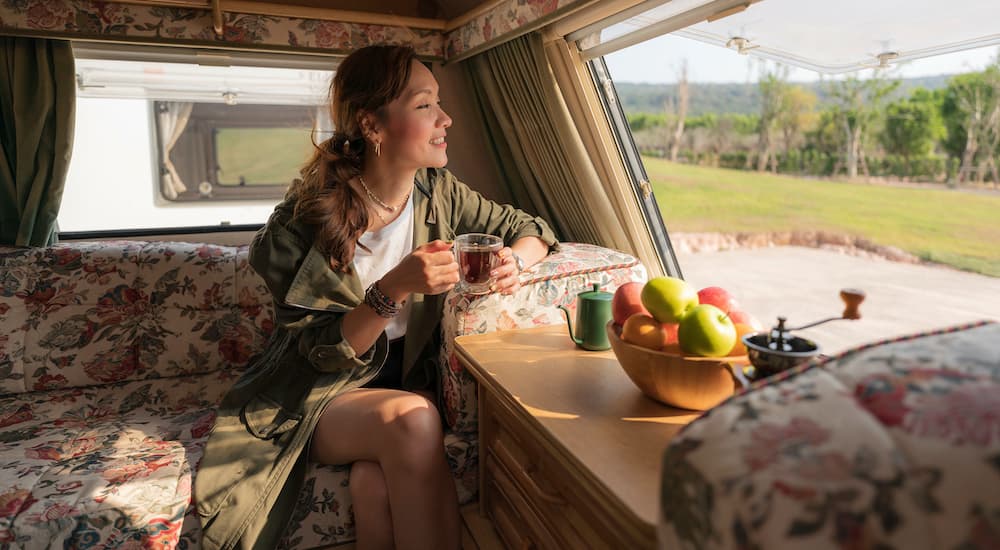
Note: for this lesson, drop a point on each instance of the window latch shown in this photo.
(646, 189)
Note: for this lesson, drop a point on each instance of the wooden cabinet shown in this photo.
(569, 448)
(518, 473)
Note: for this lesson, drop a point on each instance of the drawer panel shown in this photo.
(566, 512)
(517, 523)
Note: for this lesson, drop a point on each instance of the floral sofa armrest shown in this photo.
(891, 445)
(555, 281)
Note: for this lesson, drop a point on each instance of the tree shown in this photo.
(773, 87)
(912, 126)
(720, 136)
(856, 103)
(641, 121)
(682, 109)
(971, 110)
(826, 136)
(796, 114)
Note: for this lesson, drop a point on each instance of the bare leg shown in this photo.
(370, 497)
(401, 431)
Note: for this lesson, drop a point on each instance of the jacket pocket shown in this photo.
(265, 418)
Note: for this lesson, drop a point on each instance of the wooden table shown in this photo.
(570, 449)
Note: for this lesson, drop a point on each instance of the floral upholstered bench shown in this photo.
(114, 356)
(891, 445)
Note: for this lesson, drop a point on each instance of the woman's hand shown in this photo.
(506, 277)
(430, 269)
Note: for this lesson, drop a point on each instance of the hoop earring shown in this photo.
(378, 148)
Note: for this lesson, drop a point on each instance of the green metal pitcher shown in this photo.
(593, 311)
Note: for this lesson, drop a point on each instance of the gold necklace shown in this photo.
(379, 214)
(378, 201)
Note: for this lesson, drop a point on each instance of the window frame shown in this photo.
(639, 180)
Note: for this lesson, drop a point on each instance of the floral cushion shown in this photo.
(110, 464)
(97, 313)
(892, 445)
(553, 282)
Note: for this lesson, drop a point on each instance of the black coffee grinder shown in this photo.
(778, 350)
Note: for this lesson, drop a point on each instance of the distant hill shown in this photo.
(732, 97)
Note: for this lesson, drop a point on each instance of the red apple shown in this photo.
(718, 297)
(670, 330)
(670, 342)
(627, 302)
(740, 317)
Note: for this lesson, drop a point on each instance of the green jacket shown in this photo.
(254, 463)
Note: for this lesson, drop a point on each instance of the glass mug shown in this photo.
(477, 255)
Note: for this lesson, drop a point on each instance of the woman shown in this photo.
(355, 257)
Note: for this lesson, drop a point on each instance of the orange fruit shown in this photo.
(739, 348)
(642, 330)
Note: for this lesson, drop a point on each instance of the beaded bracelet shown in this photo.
(383, 305)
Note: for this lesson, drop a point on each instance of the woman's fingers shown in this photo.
(506, 276)
(430, 269)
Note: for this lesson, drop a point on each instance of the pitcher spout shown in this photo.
(569, 324)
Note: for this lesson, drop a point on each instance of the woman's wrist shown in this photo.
(392, 289)
(531, 250)
(381, 304)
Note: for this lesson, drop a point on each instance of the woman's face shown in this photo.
(414, 128)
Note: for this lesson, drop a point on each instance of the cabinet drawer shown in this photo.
(517, 523)
(542, 482)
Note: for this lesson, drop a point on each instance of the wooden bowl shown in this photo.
(685, 381)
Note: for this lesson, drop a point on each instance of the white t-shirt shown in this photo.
(386, 247)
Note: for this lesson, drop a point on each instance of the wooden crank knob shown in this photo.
(852, 298)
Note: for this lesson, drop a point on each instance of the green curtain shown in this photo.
(37, 114)
(539, 151)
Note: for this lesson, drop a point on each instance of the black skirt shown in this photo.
(390, 376)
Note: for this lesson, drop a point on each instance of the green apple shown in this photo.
(707, 331)
(668, 299)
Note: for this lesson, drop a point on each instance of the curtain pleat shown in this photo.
(174, 116)
(37, 115)
(541, 156)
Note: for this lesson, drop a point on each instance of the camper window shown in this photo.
(228, 152)
(174, 143)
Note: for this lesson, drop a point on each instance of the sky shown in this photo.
(709, 63)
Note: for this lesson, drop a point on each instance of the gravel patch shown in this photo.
(838, 242)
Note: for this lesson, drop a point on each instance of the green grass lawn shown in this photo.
(263, 156)
(958, 228)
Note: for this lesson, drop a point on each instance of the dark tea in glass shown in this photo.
(476, 254)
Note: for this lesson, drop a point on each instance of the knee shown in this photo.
(414, 418)
(416, 431)
(367, 482)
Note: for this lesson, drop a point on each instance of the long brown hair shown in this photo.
(365, 82)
